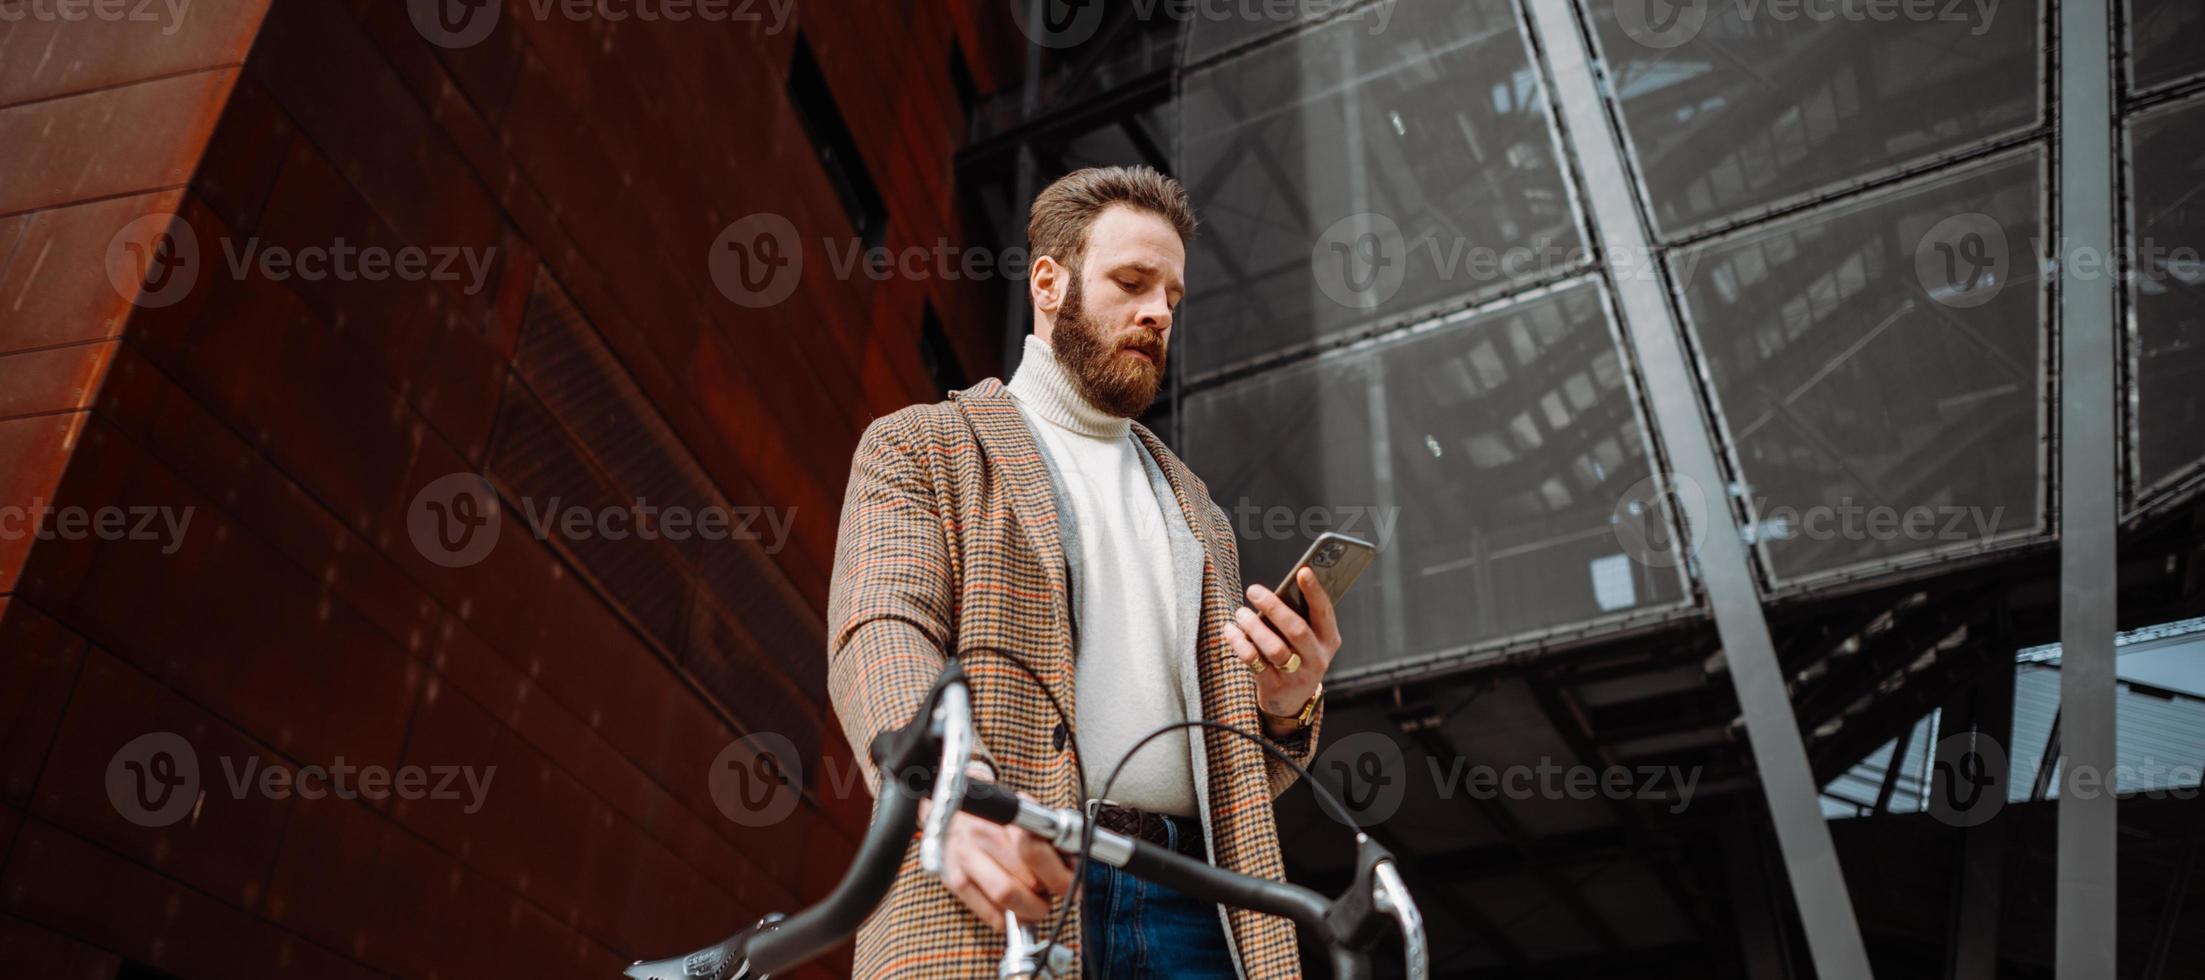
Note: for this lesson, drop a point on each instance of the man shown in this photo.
(1036, 521)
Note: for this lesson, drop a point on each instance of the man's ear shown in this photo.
(1046, 283)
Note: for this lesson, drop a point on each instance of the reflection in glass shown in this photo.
(1436, 125)
(1879, 367)
(1504, 442)
(1753, 106)
(2167, 294)
(2166, 39)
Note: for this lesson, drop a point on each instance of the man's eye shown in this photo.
(1131, 287)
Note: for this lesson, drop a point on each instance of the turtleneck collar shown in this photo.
(1043, 387)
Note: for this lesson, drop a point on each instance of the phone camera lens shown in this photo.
(1328, 555)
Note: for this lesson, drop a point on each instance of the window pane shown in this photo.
(2168, 294)
(2167, 39)
(1879, 367)
(1437, 123)
(1732, 108)
(1507, 439)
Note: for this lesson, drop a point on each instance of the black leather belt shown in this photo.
(1151, 827)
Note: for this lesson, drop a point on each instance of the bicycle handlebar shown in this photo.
(1349, 926)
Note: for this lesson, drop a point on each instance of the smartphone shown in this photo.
(1337, 559)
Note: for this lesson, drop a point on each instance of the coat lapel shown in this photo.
(1009, 445)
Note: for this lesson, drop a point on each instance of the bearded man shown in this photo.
(1038, 521)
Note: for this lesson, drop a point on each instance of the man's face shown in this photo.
(1113, 328)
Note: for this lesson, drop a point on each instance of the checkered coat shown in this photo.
(950, 542)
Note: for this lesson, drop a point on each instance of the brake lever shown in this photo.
(1390, 895)
(952, 724)
(1025, 959)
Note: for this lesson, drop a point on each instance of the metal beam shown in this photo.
(2089, 511)
(1818, 884)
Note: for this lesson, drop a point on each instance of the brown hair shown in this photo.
(1063, 211)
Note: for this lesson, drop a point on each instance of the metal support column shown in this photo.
(1780, 755)
(2089, 430)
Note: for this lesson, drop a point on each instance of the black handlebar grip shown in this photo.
(990, 802)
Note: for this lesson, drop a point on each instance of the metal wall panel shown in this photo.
(1424, 118)
(1884, 356)
(2166, 41)
(1493, 448)
(2166, 294)
(1735, 108)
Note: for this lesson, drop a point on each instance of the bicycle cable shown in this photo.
(1324, 794)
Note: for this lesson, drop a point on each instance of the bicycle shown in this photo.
(932, 750)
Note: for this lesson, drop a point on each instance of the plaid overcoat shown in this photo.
(951, 541)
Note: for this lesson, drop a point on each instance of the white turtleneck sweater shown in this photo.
(1127, 683)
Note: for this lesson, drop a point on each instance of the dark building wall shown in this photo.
(295, 621)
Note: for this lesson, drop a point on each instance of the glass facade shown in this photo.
(1485, 453)
(1853, 220)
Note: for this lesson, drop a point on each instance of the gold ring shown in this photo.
(1292, 664)
(1257, 667)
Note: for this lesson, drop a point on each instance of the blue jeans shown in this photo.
(1133, 928)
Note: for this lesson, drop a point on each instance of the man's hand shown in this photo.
(1277, 636)
(990, 867)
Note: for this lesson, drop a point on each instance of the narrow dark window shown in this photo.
(838, 153)
(960, 77)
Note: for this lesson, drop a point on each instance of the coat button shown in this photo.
(1062, 735)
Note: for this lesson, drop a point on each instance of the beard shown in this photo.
(1103, 367)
